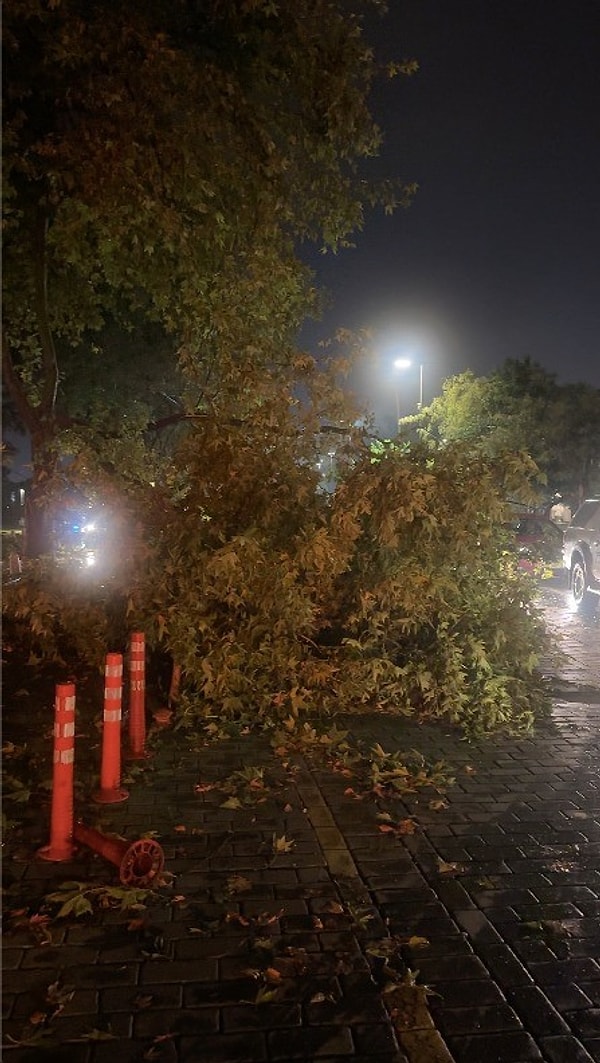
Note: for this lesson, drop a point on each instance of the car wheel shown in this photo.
(578, 582)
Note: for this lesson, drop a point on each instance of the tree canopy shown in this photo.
(522, 407)
(162, 162)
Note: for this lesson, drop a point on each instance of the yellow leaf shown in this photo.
(283, 844)
(417, 942)
(446, 868)
(238, 884)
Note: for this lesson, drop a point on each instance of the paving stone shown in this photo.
(592, 1045)
(567, 997)
(565, 1050)
(80, 1053)
(454, 896)
(566, 971)
(308, 1044)
(585, 1023)
(504, 965)
(268, 1016)
(61, 957)
(476, 925)
(226, 1048)
(493, 1018)
(157, 997)
(512, 1047)
(179, 971)
(529, 950)
(377, 1038)
(13, 958)
(468, 993)
(463, 968)
(222, 993)
(153, 1023)
(536, 1011)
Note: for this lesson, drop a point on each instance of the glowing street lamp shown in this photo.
(405, 363)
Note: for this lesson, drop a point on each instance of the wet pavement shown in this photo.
(318, 922)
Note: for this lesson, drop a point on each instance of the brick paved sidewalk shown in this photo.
(256, 954)
(515, 928)
(264, 951)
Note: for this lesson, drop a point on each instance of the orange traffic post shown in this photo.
(137, 696)
(138, 862)
(61, 818)
(110, 792)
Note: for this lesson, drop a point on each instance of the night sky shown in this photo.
(499, 255)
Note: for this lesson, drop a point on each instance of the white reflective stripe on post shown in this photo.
(112, 716)
(137, 684)
(66, 731)
(113, 669)
(112, 692)
(136, 666)
(64, 756)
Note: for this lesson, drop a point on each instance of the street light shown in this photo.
(405, 363)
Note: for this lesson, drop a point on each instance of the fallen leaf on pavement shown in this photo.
(268, 918)
(283, 844)
(142, 1001)
(446, 867)
(405, 826)
(238, 884)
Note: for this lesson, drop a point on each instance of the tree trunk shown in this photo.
(38, 531)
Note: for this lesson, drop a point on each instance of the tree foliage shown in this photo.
(522, 407)
(158, 182)
(277, 600)
(162, 161)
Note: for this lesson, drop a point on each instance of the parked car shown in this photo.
(581, 551)
(538, 541)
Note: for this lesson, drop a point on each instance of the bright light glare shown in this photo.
(90, 560)
(89, 527)
(402, 363)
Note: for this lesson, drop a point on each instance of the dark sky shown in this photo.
(499, 255)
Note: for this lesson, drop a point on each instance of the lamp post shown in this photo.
(400, 363)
